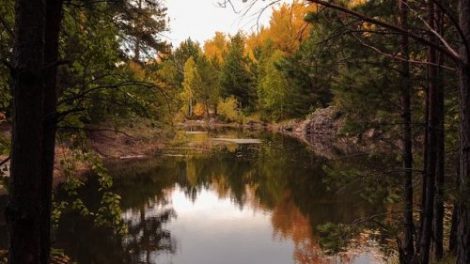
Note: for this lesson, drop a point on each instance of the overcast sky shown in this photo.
(200, 19)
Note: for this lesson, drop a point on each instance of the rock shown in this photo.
(370, 133)
(324, 121)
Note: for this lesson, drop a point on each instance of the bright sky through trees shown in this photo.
(199, 19)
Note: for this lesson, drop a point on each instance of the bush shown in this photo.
(228, 110)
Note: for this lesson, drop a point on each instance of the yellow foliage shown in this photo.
(228, 110)
(287, 28)
(199, 110)
(216, 47)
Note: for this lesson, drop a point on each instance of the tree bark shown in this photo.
(51, 56)
(23, 212)
(408, 247)
(424, 174)
(453, 229)
(431, 148)
(463, 232)
(438, 226)
(455, 215)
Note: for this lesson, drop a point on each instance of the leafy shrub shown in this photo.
(228, 110)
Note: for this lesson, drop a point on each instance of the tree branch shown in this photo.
(399, 58)
(5, 161)
(454, 21)
(450, 53)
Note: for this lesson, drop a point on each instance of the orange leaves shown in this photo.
(215, 48)
(287, 28)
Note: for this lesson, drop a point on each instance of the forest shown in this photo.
(392, 78)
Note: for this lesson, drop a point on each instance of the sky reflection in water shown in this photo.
(213, 202)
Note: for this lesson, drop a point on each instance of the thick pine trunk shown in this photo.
(51, 54)
(463, 232)
(432, 146)
(23, 212)
(408, 247)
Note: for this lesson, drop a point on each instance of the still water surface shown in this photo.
(214, 198)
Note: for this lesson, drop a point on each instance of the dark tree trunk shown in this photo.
(51, 55)
(440, 152)
(408, 247)
(425, 167)
(455, 215)
(23, 212)
(463, 232)
(453, 230)
(431, 147)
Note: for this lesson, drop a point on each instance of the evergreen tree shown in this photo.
(210, 89)
(180, 56)
(236, 78)
(142, 22)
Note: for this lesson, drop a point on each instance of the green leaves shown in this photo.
(335, 238)
(107, 213)
(236, 78)
(274, 92)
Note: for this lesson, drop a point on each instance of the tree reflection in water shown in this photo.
(144, 216)
(147, 237)
(280, 177)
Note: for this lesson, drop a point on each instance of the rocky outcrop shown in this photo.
(321, 131)
(325, 122)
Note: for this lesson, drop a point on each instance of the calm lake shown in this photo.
(231, 197)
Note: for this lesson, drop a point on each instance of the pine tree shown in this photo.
(236, 78)
(142, 23)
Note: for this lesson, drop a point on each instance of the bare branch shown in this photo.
(432, 30)
(5, 161)
(454, 21)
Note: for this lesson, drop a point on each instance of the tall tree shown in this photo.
(180, 56)
(26, 206)
(432, 126)
(143, 22)
(463, 233)
(408, 247)
(438, 224)
(236, 78)
(51, 60)
(191, 84)
(210, 88)
(273, 88)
